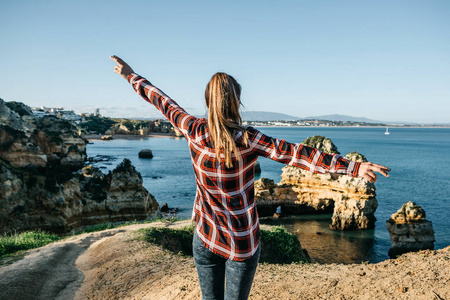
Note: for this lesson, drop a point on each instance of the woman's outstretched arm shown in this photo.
(312, 159)
(179, 118)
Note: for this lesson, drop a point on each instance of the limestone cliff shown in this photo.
(351, 200)
(48, 141)
(43, 186)
(409, 230)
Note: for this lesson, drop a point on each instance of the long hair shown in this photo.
(222, 97)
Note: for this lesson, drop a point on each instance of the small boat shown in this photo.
(387, 131)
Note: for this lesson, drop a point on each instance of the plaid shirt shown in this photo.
(224, 208)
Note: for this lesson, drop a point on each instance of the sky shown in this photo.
(383, 60)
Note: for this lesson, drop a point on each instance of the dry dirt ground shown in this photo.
(113, 264)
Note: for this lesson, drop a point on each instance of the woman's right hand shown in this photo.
(122, 68)
(367, 170)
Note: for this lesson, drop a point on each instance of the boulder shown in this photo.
(145, 153)
(164, 208)
(107, 137)
(409, 230)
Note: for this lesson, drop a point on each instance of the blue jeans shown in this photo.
(212, 269)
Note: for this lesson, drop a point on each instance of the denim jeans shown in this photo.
(212, 270)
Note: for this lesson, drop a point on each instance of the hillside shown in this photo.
(266, 116)
(113, 264)
(343, 118)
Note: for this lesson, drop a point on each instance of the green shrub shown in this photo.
(98, 124)
(277, 246)
(25, 241)
(124, 166)
(174, 240)
(280, 247)
(129, 125)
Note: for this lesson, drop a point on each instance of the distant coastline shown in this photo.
(93, 137)
(362, 126)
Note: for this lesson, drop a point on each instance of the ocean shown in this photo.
(418, 157)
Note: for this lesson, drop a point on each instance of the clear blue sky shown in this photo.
(385, 60)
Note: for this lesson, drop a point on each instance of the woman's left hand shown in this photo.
(122, 68)
(367, 170)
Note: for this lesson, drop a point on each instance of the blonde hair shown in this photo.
(222, 97)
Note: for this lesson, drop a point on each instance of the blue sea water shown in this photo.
(419, 159)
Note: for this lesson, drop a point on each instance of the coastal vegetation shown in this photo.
(97, 124)
(12, 244)
(277, 246)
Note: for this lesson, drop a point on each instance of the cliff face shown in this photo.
(351, 200)
(43, 185)
(25, 141)
(409, 230)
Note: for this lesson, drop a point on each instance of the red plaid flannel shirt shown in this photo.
(224, 208)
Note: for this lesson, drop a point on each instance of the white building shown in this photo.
(39, 112)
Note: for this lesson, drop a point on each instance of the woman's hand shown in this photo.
(367, 170)
(122, 68)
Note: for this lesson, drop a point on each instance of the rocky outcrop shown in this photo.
(409, 230)
(136, 127)
(351, 200)
(107, 137)
(27, 141)
(43, 186)
(145, 153)
(257, 168)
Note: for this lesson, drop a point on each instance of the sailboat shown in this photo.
(387, 131)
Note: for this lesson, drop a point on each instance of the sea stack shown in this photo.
(351, 200)
(409, 230)
(257, 168)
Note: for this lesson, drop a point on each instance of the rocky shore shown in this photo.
(44, 185)
(93, 137)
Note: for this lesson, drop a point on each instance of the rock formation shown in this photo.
(27, 141)
(409, 230)
(145, 153)
(43, 187)
(351, 200)
(257, 168)
(107, 137)
(136, 127)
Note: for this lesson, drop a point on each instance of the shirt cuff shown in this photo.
(132, 77)
(353, 168)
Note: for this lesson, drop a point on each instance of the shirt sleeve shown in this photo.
(179, 118)
(302, 156)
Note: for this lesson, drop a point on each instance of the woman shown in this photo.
(226, 237)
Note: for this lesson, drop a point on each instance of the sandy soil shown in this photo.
(112, 264)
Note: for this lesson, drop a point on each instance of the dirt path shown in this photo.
(49, 272)
(112, 264)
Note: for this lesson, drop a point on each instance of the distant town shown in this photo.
(315, 123)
